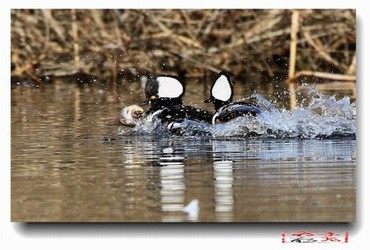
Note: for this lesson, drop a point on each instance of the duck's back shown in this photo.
(234, 110)
(197, 114)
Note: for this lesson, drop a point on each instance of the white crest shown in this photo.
(221, 89)
(169, 87)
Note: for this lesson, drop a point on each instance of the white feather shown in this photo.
(214, 118)
(192, 209)
(169, 87)
(221, 90)
(152, 116)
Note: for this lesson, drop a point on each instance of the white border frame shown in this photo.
(179, 236)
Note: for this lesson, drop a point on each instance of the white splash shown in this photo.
(323, 117)
(169, 87)
(221, 89)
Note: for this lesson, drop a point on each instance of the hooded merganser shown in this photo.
(164, 95)
(222, 93)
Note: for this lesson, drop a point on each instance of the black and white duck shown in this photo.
(164, 97)
(221, 96)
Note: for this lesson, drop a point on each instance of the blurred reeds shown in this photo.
(253, 45)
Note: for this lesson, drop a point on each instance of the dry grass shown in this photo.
(254, 45)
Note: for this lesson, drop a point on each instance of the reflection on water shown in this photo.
(172, 185)
(223, 172)
(62, 170)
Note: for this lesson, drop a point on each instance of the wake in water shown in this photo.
(323, 117)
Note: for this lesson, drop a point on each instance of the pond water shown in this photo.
(69, 164)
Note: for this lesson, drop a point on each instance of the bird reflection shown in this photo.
(205, 179)
(223, 184)
(172, 185)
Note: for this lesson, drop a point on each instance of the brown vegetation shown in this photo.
(254, 45)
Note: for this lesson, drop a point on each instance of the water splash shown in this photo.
(323, 117)
(146, 128)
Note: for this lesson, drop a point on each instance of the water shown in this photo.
(70, 164)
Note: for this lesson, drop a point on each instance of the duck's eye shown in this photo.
(153, 97)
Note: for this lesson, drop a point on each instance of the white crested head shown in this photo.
(169, 87)
(221, 89)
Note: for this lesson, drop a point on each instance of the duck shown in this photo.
(221, 95)
(164, 96)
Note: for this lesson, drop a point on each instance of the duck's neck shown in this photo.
(219, 104)
(166, 103)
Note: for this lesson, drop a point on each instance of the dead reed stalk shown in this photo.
(293, 43)
(118, 45)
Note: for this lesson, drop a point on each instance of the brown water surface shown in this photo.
(63, 170)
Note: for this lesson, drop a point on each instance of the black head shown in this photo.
(222, 91)
(164, 90)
